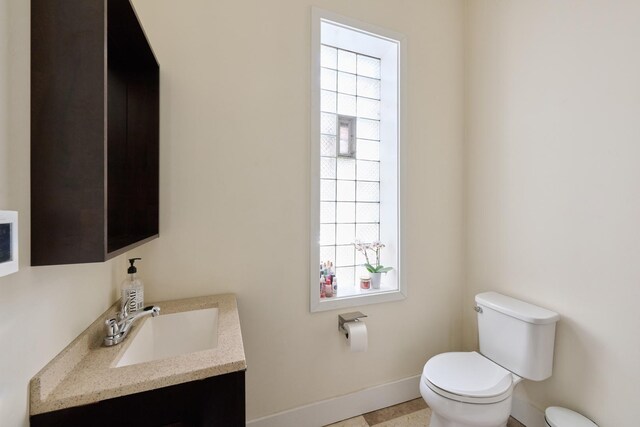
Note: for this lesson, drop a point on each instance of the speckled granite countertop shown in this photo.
(84, 371)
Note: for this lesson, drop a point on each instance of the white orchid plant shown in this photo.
(374, 247)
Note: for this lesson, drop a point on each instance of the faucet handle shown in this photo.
(111, 326)
(124, 309)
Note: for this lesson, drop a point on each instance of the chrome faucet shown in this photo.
(118, 328)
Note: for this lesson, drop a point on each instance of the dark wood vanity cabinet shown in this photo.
(94, 131)
(215, 401)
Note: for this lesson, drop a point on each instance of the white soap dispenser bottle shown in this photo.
(133, 289)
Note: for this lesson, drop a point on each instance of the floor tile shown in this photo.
(351, 422)
(385, 414)
(413, 413)
(419, 418)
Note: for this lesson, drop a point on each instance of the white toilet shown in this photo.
(470, 389)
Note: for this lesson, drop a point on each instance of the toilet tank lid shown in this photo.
(515, 308)
(563, 417)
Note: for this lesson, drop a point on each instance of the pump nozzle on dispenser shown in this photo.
(132, 269)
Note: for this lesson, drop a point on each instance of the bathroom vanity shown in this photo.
(157, 376)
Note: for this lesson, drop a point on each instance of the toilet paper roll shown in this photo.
(357, 336)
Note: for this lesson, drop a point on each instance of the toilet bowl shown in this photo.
(469, 388)
(474, 389)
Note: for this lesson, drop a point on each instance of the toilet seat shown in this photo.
(468, 377)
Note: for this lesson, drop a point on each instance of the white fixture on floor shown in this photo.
(470, 389)
(563, 417)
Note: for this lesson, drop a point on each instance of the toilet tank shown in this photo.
(516, 335)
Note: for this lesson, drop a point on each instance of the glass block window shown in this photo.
(356, 91)
(349, 176)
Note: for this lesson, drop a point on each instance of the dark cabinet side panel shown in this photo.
(133, 159)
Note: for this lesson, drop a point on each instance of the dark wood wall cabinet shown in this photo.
(94, 131)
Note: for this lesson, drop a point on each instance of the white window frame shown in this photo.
(396, 59)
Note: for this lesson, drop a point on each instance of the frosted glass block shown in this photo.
(346, 191)
(328, 79)
(327, 145)
(346, 61)
(361, 272)
(368, 108)
(327, 212)
(328, 189)
(347, 105)
(347, 83)
(328, 101)
(365, 212)
(327, 167)
(345, 234)
(345, 256)
(368, 87)
(346, 168)
(327, 253)
(367, 150)
(327, 234)
(367, 171)
(328, 57)
(368, 66)
(346, 212)
(367, 129)
(367, 233)
(368, 192)
(328, 123)
(345, 277)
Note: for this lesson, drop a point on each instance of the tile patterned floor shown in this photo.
(414, 413)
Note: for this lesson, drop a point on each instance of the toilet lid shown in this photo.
(563, 417)
(468, 374)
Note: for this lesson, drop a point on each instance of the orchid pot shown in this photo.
(375, 270)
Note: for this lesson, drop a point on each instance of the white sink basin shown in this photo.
(171, 335)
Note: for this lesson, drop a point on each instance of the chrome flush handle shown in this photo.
(478, 309)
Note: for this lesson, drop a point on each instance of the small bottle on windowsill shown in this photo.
(328, 290)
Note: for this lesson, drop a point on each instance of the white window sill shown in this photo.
(353, 297)
(351, 291)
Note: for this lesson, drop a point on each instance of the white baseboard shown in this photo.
(526, 413)
(340, 408)
(332, 410)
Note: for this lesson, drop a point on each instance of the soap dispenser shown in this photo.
(133, 289)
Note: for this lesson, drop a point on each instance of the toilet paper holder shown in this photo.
(354, 316)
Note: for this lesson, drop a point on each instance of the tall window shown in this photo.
(355, 162)
(350, 162)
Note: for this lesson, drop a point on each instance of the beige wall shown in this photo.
(41, 309)
(234, 188)
(553, 186)
(552, 131)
